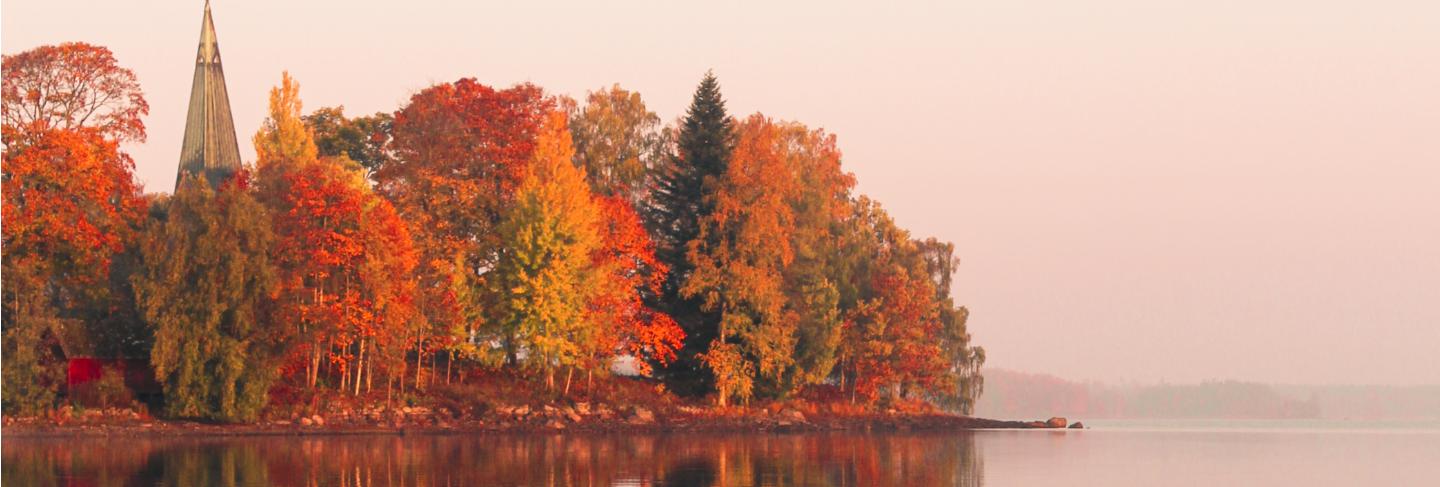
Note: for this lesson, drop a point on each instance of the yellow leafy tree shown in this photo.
(543, 280)
(284, 136)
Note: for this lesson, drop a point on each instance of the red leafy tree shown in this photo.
(459, 152)
(629, 272)
(893, 337)
(347, 263)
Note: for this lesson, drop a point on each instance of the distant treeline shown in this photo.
(472, 229)
(1017, 394)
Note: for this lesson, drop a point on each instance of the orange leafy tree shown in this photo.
(740, 257)
(73, 85)
(70, 205)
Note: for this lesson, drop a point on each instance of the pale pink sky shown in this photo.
(1139, 189)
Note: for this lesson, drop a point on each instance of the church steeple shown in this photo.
(210, 147)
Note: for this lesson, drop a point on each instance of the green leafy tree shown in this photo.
(360, 139)
(813, 281)
(205, 280)
(618, 141)
(963, 359)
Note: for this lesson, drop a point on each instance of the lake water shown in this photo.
(1111, 453)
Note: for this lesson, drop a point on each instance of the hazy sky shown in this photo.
(1139, 189)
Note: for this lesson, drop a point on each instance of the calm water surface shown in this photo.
(1111, 454)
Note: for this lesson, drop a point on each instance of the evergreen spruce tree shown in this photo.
(679, 200)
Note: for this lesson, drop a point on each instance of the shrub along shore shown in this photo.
(617, 405)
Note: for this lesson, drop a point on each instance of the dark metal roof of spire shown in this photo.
(210, 147)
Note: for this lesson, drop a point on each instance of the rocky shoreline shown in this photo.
(575, 418)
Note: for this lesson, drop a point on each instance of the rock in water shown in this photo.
(1077, 426)
(1056, 422)
(641, 416)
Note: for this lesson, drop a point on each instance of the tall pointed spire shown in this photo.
(210, 147)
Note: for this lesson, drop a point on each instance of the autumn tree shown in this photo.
(814, 281)
(544, 279)
(898, 334)
(385, 276)
(71, 86)
(70, 206)
(903, 337)
(205, 282)
(866, 352)
(741, 252)
(629, 277)
(618, 141)
(460, 151)
(345, 259)
(284, 148)
(346, 264)
(360, 139)
(284, 141)
(679, 200)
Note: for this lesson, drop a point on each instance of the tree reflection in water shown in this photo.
(551, 460)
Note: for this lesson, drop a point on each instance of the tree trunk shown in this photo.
(404, 364)
(329, 364)
(359, 367)
(433, 367)
(314, 363)
(370, 369)
(419, 352)
(854, 384)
